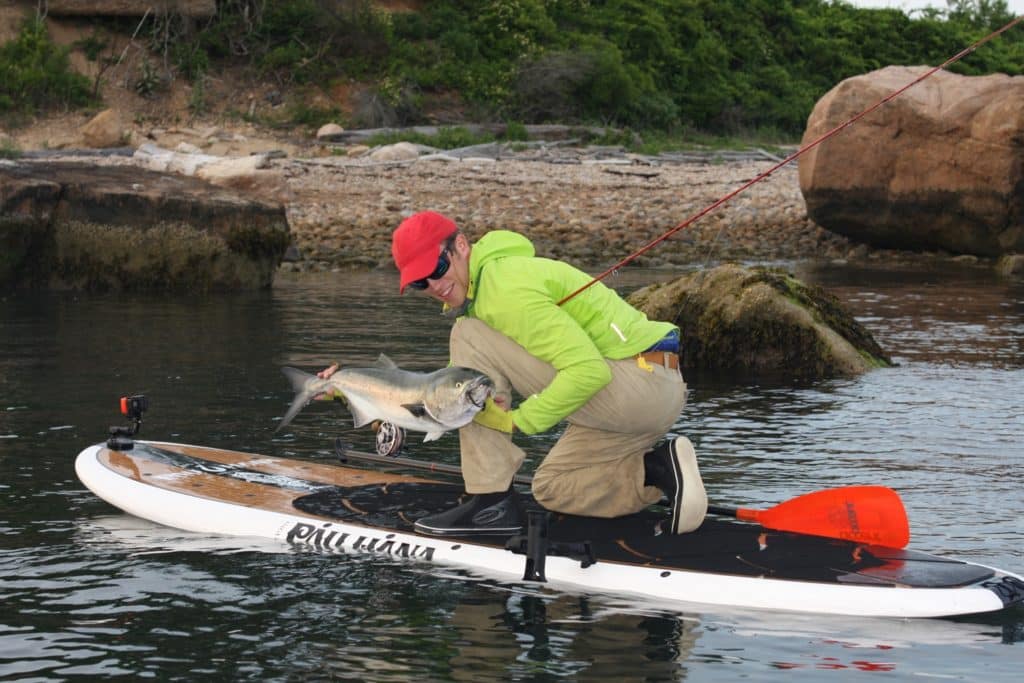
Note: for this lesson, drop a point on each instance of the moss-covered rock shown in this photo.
(73, 225)
(761, 322)
(164, 257)
(26, 209)
(1011, 265)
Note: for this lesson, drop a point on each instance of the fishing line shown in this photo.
(811, 145)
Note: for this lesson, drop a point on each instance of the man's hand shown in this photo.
(495, 415)
(328, 371)
(326, 374)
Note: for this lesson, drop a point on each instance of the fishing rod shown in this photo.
(792, 157)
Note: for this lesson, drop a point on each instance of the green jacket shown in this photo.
(517, 294)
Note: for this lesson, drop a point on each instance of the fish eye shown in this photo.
(458, 385)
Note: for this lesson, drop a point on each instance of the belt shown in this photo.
(664, 358)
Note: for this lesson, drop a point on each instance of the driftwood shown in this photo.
(86, 152)
(537, 132)
(631, 172)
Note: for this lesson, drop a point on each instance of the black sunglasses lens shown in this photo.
(442, 268)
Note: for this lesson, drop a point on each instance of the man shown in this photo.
(594, 361)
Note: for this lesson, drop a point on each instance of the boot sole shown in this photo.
(691, 501)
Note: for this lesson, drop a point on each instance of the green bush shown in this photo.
(516, 132)
(302, 114)
(148, 81)
(300, 41)
(35, 74)
(191, 60)
(8, 149)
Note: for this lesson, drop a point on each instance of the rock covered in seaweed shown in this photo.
(761, 322)
(80, 226)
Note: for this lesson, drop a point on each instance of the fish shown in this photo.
(431, 402)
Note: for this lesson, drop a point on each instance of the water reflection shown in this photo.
(952, 315)
(558, 636)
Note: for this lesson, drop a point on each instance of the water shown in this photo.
(87, 591)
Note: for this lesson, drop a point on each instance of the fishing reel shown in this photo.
(390, 438)
(133, 408)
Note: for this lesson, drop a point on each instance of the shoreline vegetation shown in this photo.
(663, 73)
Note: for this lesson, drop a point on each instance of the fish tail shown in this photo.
(304, 389)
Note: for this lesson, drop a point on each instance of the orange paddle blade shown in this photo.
(865, 514)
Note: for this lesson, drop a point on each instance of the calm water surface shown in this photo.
(87, 591)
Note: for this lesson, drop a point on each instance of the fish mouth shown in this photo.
(480, 389)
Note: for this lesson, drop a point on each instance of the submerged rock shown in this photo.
(761, 322)
(79, 226)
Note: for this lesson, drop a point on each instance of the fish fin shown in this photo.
(297, 377)
(417, 409)
(385, 362)
(359, 418)
(432, 436)
(303, 395)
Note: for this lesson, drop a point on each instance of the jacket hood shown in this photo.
(495, 245)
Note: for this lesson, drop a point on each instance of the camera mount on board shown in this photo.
(132, 407)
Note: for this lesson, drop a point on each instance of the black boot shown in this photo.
(672, 467)
(483, 513)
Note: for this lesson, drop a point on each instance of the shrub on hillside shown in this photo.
(35, 74)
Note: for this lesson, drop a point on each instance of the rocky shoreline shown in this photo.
(592, 211)
(591, 206)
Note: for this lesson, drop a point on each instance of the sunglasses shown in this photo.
(442, 267)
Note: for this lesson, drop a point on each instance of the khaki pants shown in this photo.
(596, 468)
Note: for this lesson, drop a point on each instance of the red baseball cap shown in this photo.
(416, 242)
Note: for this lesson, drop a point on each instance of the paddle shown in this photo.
(863, 514)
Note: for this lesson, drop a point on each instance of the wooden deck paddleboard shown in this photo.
(726, 562)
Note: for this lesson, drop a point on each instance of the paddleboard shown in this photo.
(334, 508)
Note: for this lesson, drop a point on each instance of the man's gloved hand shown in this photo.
(494, 416)
(335, 395)
(329, 395)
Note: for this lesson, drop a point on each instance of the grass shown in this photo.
(8, 149)
(446, 138)
(770, 140)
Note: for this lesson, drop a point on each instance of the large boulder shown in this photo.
(759, 322)
(941, 167)
(103, 130)
(75, 225)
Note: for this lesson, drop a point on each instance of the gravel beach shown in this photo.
(593, 212)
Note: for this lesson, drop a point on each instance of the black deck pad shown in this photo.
(722, 546)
